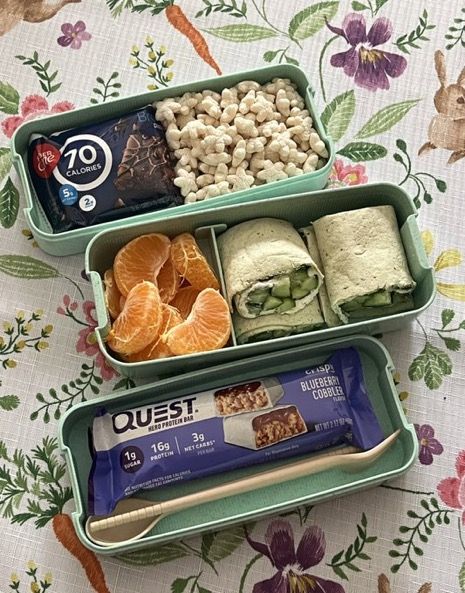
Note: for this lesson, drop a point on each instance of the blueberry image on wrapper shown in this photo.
(103, 171)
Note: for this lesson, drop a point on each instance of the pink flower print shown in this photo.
(73, 35)
(342, 174)
(33, 106)
(429, 446)
(87, 342)
(452, 490)
(69, 306)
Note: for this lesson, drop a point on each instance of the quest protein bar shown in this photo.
(234, 426)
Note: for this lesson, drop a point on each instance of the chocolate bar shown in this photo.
(247, 397)
(103, 171)
(198, 435)
(256, 430)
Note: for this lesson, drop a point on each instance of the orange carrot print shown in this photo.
(66, 535)
(178, 19)
(20, 471)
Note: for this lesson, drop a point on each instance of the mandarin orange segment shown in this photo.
(158, 348)
(140, 259)
(184, 299)
(168, 281)
(191, 264)
(208, 326)
(139, 322)
(112, 294)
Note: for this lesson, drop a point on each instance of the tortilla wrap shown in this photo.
(256, 254)
(307, 319)
(330, 317)
(362, 254)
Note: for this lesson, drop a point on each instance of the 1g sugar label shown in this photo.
(85, 162)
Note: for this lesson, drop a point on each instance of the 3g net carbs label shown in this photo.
(233, 426)
(103, 171)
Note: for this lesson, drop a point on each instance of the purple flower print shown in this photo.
(429, 446)
(370, 67)
(73, 35)
(291, 565)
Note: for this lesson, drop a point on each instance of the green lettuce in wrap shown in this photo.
(330, 317)
(366, 270)
(267, 268)
(267, 327)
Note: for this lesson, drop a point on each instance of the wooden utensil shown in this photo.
(134, 517)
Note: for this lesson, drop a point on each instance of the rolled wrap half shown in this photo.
(267, 268)
(267, 327)
(366, 270)
(330, 317)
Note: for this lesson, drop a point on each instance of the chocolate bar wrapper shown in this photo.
(103, 171)
(257, 430)
(247, 397)
(187, 438)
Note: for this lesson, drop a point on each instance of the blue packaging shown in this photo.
(235, 426)
(103, 171)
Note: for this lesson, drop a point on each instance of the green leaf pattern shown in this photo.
(310, 20)
(367, 128)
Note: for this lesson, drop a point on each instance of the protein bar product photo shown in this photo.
(187, 437)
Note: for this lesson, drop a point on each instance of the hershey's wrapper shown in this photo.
(193, 436)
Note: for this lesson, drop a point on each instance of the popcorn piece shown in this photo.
(246, 104)
(240, 180)
(185, 181)
(216, 158)
(274, 173)
(221, 173)
(229, 113)
(317, 145)
(205, 179)
(173, 135)
(247, 85)
(239, 153)
(310, 163)
(292, 170)
(228, 97)
(211, 107)
(246, 127)
(282, 102)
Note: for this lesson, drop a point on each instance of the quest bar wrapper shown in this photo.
(103, 171)
(261, 420)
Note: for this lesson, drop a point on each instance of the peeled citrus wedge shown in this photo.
(184, 300)
(140, 259)
(158, 348)
(168, 281)
(112, 294)
(191, 264)
(207, 327)
(139, 322)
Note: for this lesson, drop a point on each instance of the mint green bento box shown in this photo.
(75, 241)
(300, 210)
(377, 369)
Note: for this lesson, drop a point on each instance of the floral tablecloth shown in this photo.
(389, 80)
